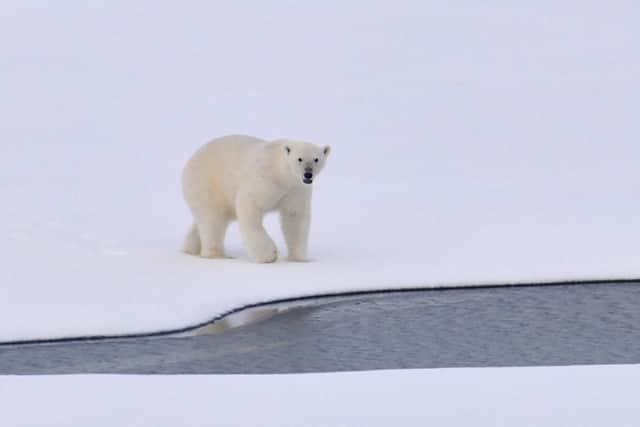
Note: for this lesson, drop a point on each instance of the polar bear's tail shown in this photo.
(192, 241)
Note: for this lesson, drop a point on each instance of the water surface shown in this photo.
(513, 326)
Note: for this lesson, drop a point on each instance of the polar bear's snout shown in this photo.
(308, 176)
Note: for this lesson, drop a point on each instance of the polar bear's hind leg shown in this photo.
(192, 241)
(212, 228)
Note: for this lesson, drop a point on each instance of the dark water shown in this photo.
(552, 325)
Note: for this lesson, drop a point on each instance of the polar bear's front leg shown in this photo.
(257, 242)
(295, 218)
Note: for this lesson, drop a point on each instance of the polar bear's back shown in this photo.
(213, 172)
(230, 150)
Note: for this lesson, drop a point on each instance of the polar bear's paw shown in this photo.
(191, 250)
(290, 259)
(264, 253)
(298, 258)
(212, 253)
(267, 257)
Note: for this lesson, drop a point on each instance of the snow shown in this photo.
(549, 396)
(473, 143)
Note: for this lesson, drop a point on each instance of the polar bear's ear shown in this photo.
(287, 149)
(326, 150)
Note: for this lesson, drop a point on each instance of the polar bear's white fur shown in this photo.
(242, 177)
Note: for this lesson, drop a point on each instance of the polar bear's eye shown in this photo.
(299, 159)
(315, 160)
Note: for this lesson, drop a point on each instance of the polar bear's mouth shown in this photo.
(307, 180)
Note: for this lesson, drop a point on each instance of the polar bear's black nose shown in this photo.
(308, 175)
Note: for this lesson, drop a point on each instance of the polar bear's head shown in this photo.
(305, 160)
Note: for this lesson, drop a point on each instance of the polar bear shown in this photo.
(242, 177)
